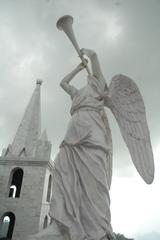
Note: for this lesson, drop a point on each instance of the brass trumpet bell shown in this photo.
(63, 21)
(65, 24)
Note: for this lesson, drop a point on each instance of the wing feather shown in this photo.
(127, 106)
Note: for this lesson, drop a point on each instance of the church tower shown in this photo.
(26, 176)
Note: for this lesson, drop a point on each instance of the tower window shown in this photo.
(51, 221)
(45, 224)
(49, 188)
(16, 178)
(13, 191)
(7, 226)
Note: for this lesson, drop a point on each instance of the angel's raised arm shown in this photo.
(71, 90)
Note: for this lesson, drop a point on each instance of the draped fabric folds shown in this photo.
(80, 206)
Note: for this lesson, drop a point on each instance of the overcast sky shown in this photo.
(126, 36)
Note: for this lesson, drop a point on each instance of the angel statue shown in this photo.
(80, 206)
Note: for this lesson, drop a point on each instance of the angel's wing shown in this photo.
(126, 104)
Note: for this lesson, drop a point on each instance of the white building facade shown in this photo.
(26, 177)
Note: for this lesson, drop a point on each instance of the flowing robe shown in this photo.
(80, 206)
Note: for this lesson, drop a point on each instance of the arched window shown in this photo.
(49, 188)
(7, 226)
(51, 220)
(15, 183)
(45, 224)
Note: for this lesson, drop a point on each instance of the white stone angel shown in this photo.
(80, 206)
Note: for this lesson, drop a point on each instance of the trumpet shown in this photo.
(65, 23)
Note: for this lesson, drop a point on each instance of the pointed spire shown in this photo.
(29, 129)
(44, 136)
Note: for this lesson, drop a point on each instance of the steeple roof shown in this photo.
(29, 129)
(44, 136)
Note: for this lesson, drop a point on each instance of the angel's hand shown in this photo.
(82, 65)
(87, 52)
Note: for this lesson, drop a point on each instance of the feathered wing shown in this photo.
(126, 104)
